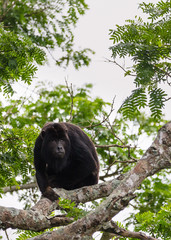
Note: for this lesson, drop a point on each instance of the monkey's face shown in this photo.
(55, 148)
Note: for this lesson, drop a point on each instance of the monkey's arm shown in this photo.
(41, 176)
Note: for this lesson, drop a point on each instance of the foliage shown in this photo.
(156, 191)
(147, 43)
(71, 209)
(29, 29)
(16, 155)
(27, 234)
(152, 207)
(157, 224)
(17, 59)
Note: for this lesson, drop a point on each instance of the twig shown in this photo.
(9, 112)
(105, 118)
(70, 91)
(9, 139)
(51, 54)
(19, 187)
(167, 99)
(103, 178)
(112, 145)
(128, 146)
(6, 234)
(6, 11)
(112, 131)
(113, 61)
(116, 230)
(163, 71)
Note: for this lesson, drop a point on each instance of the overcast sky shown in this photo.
(108, 79)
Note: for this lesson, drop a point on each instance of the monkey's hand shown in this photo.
(50, 194)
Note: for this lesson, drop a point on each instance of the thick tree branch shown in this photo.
(29, 219)
(90, 193)
(44, 207)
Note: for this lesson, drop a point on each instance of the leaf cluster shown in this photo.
(152, 206)
(16, 154)
(157, 224)
(18, 59)
(71, 209)
(156, 191)
(29, 29)
(148, 44)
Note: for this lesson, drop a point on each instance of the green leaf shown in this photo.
(147, 44)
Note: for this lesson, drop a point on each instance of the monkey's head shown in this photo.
(56, 145)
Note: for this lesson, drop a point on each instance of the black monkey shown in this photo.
(64, 157)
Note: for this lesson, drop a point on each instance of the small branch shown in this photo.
(9, 139)
(120, 146)
(112, 131)
(169, 83)
(104, 118)
(112, 145)
(167, 99)
(128, 146)
(112, 227)
(7, 10)
(126, 161)
(9, 112)
(163, 71)
(70, 91)
(19, 187)
(51, 54)
(107, 175)
(6, 235)
(113, 61)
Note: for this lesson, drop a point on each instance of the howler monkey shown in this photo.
(64, 157)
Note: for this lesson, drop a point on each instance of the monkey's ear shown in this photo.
(42, 134)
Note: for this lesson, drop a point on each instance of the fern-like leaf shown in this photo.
(133, 103)
(156, 103)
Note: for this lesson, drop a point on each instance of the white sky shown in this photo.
(108, 79)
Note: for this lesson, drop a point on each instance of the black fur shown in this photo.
(64, 157)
